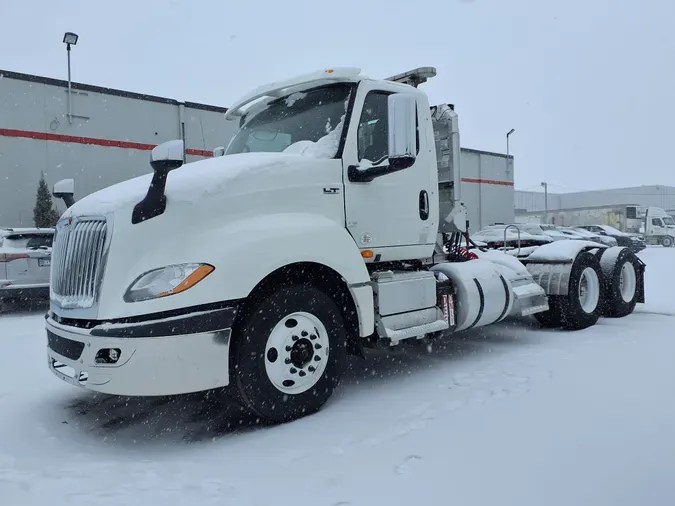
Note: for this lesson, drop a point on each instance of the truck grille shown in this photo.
(77, 262)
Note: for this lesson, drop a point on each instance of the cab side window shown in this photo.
(657, 222)
(373, 131)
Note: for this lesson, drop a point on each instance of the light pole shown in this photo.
(508, 151)
(545, 186)
(69, 38)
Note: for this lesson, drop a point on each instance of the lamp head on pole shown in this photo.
(70, 38)
(510, 132)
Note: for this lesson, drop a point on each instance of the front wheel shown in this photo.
(288, 354)
(582, 305)
(667, 241)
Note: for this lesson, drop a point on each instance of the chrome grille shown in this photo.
(77, 262)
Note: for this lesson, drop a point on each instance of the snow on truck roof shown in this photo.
(279, 89)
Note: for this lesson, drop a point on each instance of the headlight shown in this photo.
(166, 281)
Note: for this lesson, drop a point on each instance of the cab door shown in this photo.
(394, 215)
(657, 227)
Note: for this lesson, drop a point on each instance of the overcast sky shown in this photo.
(589, 85)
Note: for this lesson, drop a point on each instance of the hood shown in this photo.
(193, 181)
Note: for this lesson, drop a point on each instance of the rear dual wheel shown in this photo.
(621, 285)
(288, 353)
(582, 306)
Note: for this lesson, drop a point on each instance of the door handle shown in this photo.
(424, 205)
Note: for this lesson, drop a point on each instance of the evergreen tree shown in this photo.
(44, 214)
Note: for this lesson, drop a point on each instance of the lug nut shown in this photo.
(317, 358)
(293, 370)
(317, 346)
(304, 333)
(302, 373)
(287, 361)
(312, 337)
(311, 368)
(289, 348)
(295, 338)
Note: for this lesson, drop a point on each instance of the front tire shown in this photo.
(667, 241)
(582, 305)
(288, 353)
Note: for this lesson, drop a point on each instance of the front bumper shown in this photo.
(168, 356)
(24, 291)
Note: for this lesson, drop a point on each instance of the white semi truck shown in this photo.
(331, 223)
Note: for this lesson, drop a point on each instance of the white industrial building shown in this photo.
(109, 133)
(652, 195)
(106, 139)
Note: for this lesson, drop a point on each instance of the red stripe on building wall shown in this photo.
(108, 143)
(90, 141)
(487, 181)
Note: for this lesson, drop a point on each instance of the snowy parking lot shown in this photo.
(504, 415)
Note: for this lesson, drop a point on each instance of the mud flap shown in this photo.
(641, 281)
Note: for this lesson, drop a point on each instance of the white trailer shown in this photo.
(330, 223)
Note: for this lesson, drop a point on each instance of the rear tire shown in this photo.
(621, 286)
(582, 305)
(550, 318)
(288, 354)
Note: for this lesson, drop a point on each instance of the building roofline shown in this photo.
(31, 78)
(662, 187)
(482, 152)
(585, 208)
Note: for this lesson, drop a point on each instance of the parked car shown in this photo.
(633, 242)
(556, 233)
(493, 236)
(580, 233)
(25, 261)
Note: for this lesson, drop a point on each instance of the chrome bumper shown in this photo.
(163, 357)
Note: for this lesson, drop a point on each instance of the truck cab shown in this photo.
(332, 222)
(659, 227)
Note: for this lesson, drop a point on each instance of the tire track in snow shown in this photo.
(459, 391)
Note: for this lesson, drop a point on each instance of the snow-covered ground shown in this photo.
(508, 415)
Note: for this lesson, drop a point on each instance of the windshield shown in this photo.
(533, 229)
(668, 221)
(612, 230)
(308, 123)
(583, 231)
(29, 241)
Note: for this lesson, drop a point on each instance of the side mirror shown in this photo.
(65, 190)
(219, 151)
(402, 109)
(163, 159)
(167, 156)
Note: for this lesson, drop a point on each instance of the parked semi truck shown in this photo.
(654, 223)
(332, 222)
(659, 227)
